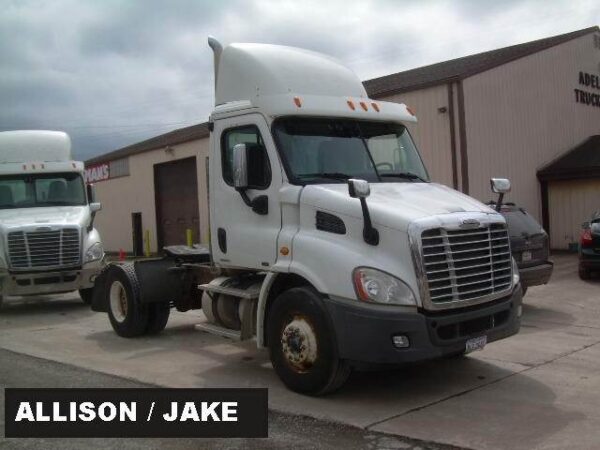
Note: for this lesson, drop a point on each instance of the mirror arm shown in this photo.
(370, 234)
(260, 204)
(90, 227)
(499, 202)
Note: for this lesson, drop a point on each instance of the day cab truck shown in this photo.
(328, 242)
(48, 243)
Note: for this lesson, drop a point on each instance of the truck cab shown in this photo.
(48, 243)
(329, 243)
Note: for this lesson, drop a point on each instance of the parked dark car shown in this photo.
(589, 248)
(529, 243)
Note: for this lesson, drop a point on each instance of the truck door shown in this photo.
(239, 236)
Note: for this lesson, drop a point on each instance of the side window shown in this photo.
(259, 170)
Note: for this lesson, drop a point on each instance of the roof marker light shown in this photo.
(410, 111)
(33, 166)
(351, 104)
(298, 102)
(24, 166)
(43, 167)
(375, 106)
(74, 166)
(364, 106)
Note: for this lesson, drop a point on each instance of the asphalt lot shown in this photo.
(539, 389)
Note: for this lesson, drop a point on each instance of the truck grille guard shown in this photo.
(44, 248)
(461, 259)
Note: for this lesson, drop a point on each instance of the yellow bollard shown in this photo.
(188, 237)
(147, 243)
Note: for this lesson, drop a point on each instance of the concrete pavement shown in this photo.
(539, 389)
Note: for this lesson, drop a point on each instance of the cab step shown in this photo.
(219, 331)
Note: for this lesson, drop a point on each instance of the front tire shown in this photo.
(86, 295)
(128, 317)
(302, 343)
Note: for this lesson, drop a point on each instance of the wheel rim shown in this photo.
(299, 344)
(118, 301)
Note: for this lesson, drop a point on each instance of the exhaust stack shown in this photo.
(217, 49)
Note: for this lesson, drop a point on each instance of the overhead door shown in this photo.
(176, 191)
(570, 203)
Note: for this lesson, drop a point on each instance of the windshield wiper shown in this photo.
(406, 175)
(331, 175)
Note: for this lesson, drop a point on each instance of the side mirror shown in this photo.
(95, 207)
(500, 185)
(91, 193)
(358, 188)
(240, 166)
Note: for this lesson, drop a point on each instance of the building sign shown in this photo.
(97, 173)
(591, 95)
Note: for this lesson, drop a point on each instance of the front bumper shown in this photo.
(536, 275)
(364, 331)
(589, 259)
(48, 282)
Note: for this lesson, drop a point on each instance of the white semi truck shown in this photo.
(328, 242)
(48, 243)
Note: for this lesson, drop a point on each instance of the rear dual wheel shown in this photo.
(302, 345)
(127, 315)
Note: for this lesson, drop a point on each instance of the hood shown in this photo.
(393, 205)
(55, 215)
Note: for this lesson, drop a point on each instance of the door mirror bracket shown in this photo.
(260, 204)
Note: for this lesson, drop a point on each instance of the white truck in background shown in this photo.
(48, 243)
(329, 244)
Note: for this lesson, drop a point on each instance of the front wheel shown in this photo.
(128, 317)
(302, 345)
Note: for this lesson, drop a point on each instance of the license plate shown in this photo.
(474, 344)
(526, 256)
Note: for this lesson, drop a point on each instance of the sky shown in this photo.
(115, 72)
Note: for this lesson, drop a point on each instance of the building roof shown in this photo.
(464, 67)
(581, 162)
(174, 137)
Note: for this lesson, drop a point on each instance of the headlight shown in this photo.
(515, 271)
(372, 285)
(94, 253)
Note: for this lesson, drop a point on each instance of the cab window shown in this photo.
(259, 170)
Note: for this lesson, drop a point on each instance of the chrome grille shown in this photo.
(462, 265)
(44, 249)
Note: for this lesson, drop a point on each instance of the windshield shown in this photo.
(333, 150)
(38, 190)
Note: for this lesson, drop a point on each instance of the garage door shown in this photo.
(176, 191)
(570, 203)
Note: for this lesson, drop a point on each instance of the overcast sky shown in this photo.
(115, 72)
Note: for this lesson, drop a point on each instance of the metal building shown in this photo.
(508, 112)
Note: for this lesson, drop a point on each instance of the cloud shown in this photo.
(112, 73)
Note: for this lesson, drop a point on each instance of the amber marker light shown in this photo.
(375, 106)
(298, 102)
(364, 106)
(284, 251)
(351, 104)
(410, 111)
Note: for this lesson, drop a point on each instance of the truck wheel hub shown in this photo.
(118, 301)
(299, 344)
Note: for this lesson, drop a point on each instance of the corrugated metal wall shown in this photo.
(522, 115)
(432, 132)
(570, 204)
